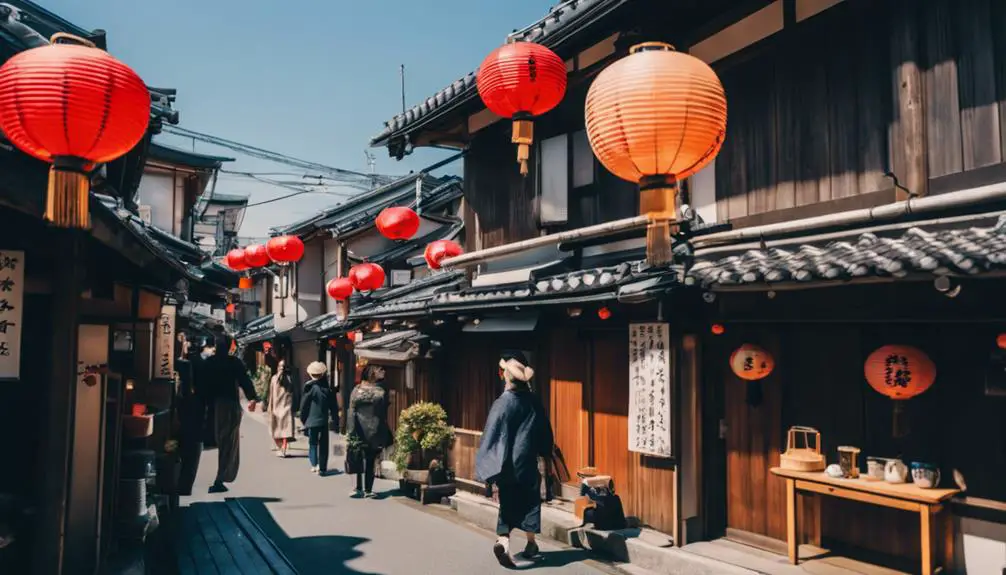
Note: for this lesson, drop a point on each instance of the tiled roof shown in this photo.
(562, 20)
(915, 251)
(173, 155)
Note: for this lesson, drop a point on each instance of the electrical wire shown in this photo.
(263, 202)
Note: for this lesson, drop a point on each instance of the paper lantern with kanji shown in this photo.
(74, 106)
(654, 118)
(751, 362)
(899, 371)
(339, 289)
(285, 250)
(397, 223)
(436, 252)
(366, 276)
(235, 259)
(521, 80)
(256, 256)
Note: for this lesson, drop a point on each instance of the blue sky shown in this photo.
(313, 79)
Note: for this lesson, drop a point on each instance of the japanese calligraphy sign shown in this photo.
(164, 343)
(11, 300)
(650, 389)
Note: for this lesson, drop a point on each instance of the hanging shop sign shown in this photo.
(164, 344)
(650, 389)
(11, 299)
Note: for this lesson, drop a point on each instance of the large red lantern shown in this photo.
(521, 80)
(436, 252)
(72, 105)
(256, 256)
(366, 276)
(397, 223)
(285, 250)
(235, 259)
(339, 289)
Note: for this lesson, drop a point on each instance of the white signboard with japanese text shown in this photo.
(11, 312)
(650, 389)
(164, 343)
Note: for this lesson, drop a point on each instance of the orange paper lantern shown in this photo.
(899, 371)
(1001, 341)
(245, 283)
(751, 362)
(654, 118)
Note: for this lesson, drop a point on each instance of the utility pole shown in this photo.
(402, 69)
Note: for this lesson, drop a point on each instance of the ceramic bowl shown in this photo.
(875, 468)
(925, 475)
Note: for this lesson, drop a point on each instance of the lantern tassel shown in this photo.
(900, 426)
(67, 195)
(657, 199)
(523, 136)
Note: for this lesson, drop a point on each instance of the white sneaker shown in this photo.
(314, 469)
(501, 549)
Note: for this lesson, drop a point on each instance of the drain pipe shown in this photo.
(973, 196)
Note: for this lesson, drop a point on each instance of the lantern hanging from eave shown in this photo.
(751, 362)
(73, 106)
(256, 256)
(339, 289)
(521, 80)
(436, 252)
(235, 260)
(654, 118)
(366, 276)
(397, 223)
(899, 372)
(245, 282)
(285, 250)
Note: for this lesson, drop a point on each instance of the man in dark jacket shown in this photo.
(516, 434)
(317, 405)
(191, 415)
(220, 376)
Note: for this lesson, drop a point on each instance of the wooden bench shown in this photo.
(905, 496)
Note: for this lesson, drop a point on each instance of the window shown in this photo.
(702, 188)
(566, 179)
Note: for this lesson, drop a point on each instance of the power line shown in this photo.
(263, 202)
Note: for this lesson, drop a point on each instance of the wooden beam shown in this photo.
(908, 147)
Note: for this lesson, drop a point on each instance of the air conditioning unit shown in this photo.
(144, 213)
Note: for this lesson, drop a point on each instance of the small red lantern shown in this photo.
(397, 223)
(366, 276)
(245, 283)
(604, 313)
(285, 250)
(266, 346)
(339, 289)
(1001, 341)
(521, 80)
(436, 252)
(72, 106)
(256, 256)
(235, 259)
(718, 329)
(231, 307)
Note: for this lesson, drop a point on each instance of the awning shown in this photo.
(508, 323)
(390, 347)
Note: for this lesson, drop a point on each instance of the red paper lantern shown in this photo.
(436, 252)
(397, 223)
(900, 372)
(231, 307)
(718, 329)
(521, 80)
(751, 362)
(366, 276)
(604, 313)
(285, 250)
(1001, 341)
(235, 259)
(256, 256)
(72, 106)
(339, 289)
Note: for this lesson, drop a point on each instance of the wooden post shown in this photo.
(792, 542)
(926, 529)
(909, 151)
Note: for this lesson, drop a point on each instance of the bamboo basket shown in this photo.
(804, 458)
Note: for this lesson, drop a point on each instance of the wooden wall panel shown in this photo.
(462, 455)
(976, 72)
(568, 398)
(943, 111)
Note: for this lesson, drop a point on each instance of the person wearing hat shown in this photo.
(316, 406)
(516, 434)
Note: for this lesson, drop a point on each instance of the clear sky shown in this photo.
(313, 79)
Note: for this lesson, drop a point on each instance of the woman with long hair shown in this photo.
(279, 408)
(368, 421)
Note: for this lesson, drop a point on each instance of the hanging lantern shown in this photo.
(521, 80)
(751, 362)
(231, 308)
(1001, 341)
(604, 313)
(285, 250)
(366, 276)
(235, 259)
(438, 251)
(900, 372)
(397, 223)
(72, 105)
(256, 256)
(655, 118)
(245, 282)
(718, 329)
(339, 289)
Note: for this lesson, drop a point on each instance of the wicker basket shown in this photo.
(804, 458)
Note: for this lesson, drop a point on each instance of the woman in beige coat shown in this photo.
(280, 409)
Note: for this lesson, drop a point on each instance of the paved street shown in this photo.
(322, 530)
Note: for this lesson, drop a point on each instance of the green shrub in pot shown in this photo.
(421, 427)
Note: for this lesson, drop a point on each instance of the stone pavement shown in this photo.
(321, 529)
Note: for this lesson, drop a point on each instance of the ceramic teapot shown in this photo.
(895, 471)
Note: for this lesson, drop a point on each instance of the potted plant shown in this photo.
(422, 439)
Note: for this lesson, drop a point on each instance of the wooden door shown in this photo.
(610, 399)
(568, 398)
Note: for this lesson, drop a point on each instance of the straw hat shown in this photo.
(514, 363)
(316, 369)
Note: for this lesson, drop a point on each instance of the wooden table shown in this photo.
(905, 496)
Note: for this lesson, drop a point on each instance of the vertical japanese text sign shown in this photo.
(650, 389)
(164, 344)
(11, 300)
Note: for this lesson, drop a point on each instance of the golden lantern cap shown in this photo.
(654, 46)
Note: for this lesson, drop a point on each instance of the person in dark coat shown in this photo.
(368, 420)
(516, 434)
(191, 416)
(317, 405)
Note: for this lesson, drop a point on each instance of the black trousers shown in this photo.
(365, 480)
(317, 447)
(192, 416)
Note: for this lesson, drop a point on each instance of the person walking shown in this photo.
(368, 421)
(221, 374)
(279, 409)
(191, 415)
(317, 405)
(516, 434)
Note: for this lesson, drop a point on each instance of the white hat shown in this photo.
(316, 369)
(516, 369)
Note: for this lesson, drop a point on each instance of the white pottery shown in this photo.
(895, 471)
(875, 468)
(834, 471)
